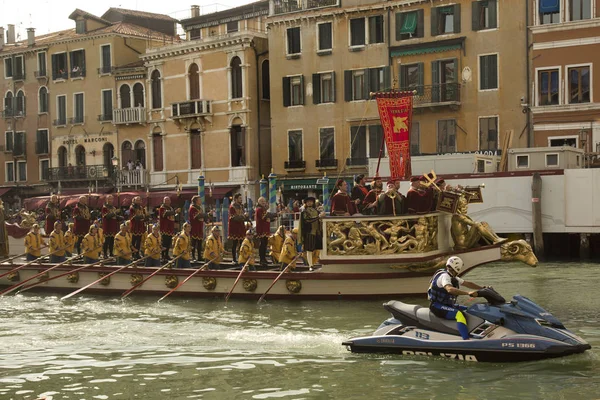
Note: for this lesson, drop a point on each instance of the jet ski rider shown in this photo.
(443, 290)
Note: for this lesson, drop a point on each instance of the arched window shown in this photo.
(236, 78)
(140, 153)
(108, 152)
(80, 156)
(127, 155)
(125, 95)
(156, 93)
(194, 77)
(157, 150)
(266, 83)
(138, 95)
(43, 103)
(8, 102)
(20, 106)
(62, 156)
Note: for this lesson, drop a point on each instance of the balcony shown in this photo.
(295, 165)
(14, 113)
(41, 74)
(58, 75)
(82, 172)
(76, 120)
(19, 76)
(357, 162)
(78, 73)
(446, 94)
(326, 163)
(136, 177)
(191, 109)
(106, 69)
(134, 115)
(60, 122)
(277, 7)
(105, 117)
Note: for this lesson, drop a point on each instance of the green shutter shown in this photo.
(435, 82)
(434, 21)
(399, 26)
(457, 18)
(420, 89)
(333, 89)
(286, 92)
(387, 84)
(476, 9)
(347, 85)
(402, 77)
(316, 83)
(483, 72)
(366, 84)
(493, 71)
(493, 6)
(420, 24)
(302, 89)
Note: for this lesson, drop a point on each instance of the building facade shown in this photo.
(565, 48)
(466, 61)
(209, 103)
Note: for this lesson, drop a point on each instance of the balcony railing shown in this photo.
(76, 120)
(134, 115)
(13, 112)
(295, 164)
(79, 73)
(194, 108)
(136, 177)
(326, 163)
(357, 162)
(19, 76)
(41, 74)
(289, 6)
(82, 172)
(56, 75)
(106, 69)
(60, 122)
(105, 117)
(431, 95)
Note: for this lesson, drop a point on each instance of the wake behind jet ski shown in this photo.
(498, 331)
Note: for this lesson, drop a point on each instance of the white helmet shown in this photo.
(456, 264)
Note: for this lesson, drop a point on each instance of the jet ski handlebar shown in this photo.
(492, 297)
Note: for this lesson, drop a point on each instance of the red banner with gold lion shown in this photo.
(395, 113)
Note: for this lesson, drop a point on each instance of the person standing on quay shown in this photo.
(196, 216)
(166, 224)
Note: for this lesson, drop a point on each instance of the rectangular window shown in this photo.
(297, 91)
(580, 9)
(195, 148)
(375, 140)
(233, 26)
(19, 145)
(10, 171)
(376, 29)
(358, 85)
(19, 70)
(77, 63)
(327, 88)
(409, 25)
(105, 62)
(195, 34)
(488, 133)
(412, 77)
(78, 108)
(238, 146)
(80, 26)
(42, 68)
(522, 161)
(445, 20)
(157, 151)
(60, 69)
(552, 160)
(9, 141)
(43, 106)
(579, 84)
(488, 72)
(357, 32)
(548, 91)
(44, 169)
(325, 36)
(446, 136)
(22, 168)
(295, 146)
(8, 67)
(377, 80)
(549, 11)
(415, 138)
(358, 145)
(61, 109)
(485, 14)
(41, 142)
(107, 105)
(326, 144)
(293, 41)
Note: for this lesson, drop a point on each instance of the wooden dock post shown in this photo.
(536, 208)
(584, 246)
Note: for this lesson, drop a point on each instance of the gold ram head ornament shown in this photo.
(518, 250)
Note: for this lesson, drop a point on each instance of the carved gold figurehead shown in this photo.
(518, 250)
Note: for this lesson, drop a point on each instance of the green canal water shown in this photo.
(103, 348)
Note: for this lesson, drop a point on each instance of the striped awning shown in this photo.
(549, 6)
(425, 50)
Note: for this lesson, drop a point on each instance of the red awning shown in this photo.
(3, 191)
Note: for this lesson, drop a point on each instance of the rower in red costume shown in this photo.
(341, 204)
(419, 198)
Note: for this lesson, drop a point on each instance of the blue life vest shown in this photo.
(436, 294)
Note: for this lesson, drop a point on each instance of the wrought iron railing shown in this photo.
(76, 120)
(60, 122)
(56, 75)
(81, 172)
(435, 94)
(105, 117)
(357, 162)
(191, 108)
(295, 164)
(133, 115)
(289, 6)
(326, 163)
(19, 76)
(80, 73)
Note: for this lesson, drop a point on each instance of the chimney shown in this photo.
(10, 35)
(195, 11)
(1, 37)
(30, 37)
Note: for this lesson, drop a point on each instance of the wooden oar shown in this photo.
(37, 260)
(237, 280)
(131, 264)
(278, 276)
(127, 292)
(187, 279)
(18, 285)
(12, 258)
(31, 285)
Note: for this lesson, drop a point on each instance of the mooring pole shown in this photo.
(536, 207)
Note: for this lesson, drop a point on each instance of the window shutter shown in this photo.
(420, 24)
(54, 66)
(333, 89)
(83, 60)
(347, 85)
(435, 80)
(401, 77)
(316, 82)
(302, 90)
(455, 77)
(493, 7)
(434, 21)
(38, 142)
(286, 92)
(476, 9)
(387, 84)
(366, 84)
(398, 26)
(492, 72)
(457, 18)
(483, 72)
(421, 88)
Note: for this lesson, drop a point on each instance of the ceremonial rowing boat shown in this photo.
(363, 257)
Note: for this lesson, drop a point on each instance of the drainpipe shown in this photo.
(389, 46)
(530, 140)
(258, 100)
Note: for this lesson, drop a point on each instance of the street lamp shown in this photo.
(115, 163)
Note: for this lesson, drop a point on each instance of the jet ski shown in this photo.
(499, 332)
